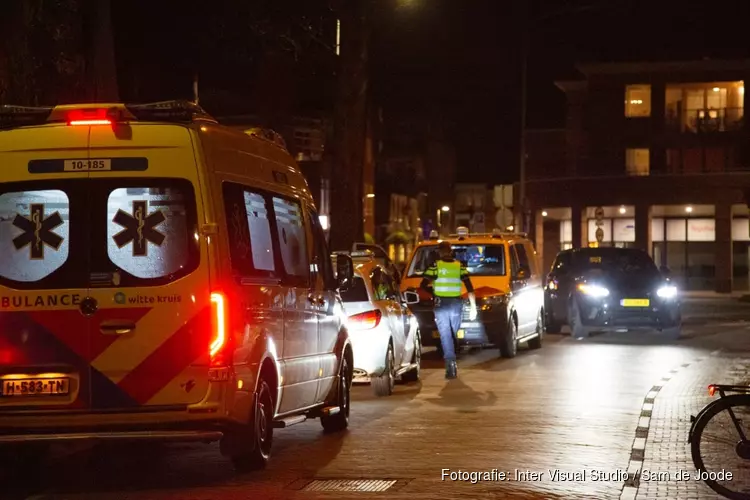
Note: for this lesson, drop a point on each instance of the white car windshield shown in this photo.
(480, 260)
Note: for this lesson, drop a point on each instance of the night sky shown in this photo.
(469, 50)
(459, 59)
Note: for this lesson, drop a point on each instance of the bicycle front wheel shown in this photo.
(720, 447)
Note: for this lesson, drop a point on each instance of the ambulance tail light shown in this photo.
(219, 329)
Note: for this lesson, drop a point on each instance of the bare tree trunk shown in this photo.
(104, 67)
(350, 126)
(20, 63)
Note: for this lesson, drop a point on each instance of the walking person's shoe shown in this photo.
(451, 370)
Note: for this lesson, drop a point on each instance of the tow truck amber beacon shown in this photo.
(205, 307)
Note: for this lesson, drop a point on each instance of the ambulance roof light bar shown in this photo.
(102, 114)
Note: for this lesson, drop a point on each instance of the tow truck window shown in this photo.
(480, 260)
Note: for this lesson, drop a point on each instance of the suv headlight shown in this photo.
(593, 290)
(667, 292)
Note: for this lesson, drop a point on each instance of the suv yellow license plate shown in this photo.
(635, 302)
(36, 387)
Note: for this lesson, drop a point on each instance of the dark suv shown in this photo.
(609, 289)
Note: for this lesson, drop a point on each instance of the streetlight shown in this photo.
(444, 208)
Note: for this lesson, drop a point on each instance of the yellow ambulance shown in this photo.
(162, 277)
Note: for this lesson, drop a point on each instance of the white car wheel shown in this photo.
(384, 384)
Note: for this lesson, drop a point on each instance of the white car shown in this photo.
(383, 331)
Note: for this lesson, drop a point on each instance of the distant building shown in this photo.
(416, 165)
(655, 156)
(472, 208)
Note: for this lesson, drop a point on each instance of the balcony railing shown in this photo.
(706, 120)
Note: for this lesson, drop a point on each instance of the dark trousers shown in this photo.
(448, 313)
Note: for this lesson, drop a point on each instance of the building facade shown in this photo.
(654, 156)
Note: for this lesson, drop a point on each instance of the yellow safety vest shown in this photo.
(448, 281)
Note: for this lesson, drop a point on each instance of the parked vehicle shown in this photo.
(384, 333)
(162, 277)
(381, 257)
(609, 289)
(507, 283)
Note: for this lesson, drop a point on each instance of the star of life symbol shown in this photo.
(443, 271)
(38, 231)
(140, 228)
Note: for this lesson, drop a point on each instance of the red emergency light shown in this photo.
(89, 117)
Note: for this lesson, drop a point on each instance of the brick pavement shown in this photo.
(683, 395)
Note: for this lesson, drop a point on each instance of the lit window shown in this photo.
(637, 161)
(637, 101)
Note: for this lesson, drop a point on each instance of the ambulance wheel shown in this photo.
(340, 420)
(262, 435)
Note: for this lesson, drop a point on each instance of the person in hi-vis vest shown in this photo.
(446, 276)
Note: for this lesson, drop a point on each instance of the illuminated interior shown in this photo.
(707, 106)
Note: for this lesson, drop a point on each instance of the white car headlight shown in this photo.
(667, 292)
(593, 290)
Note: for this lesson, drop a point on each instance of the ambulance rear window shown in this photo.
(34, 232)
(149, 233)
(80, 233)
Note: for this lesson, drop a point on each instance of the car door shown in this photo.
(535, 286)
(403, 321)
(301, 309)
(395, 302)
(386, 300)
(521, 288)
(149, 301)
(257, 270)
(324, 290)
(44, 345)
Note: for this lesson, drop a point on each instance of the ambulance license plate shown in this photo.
(36, 387)
(87, 165)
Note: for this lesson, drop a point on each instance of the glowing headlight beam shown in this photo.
(667, 292)
(593, 290)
